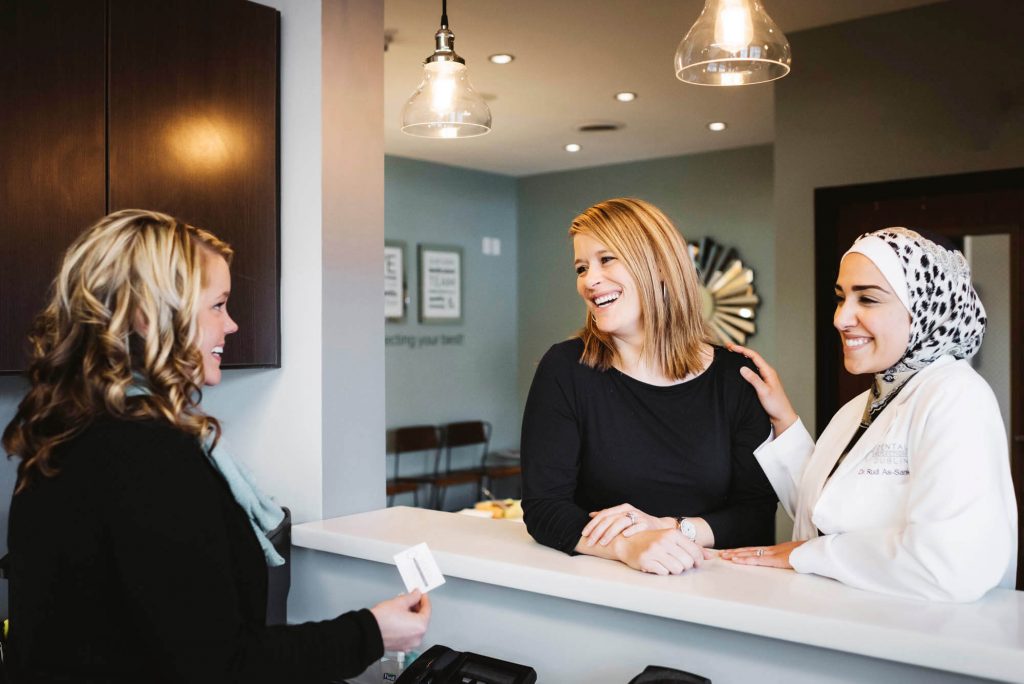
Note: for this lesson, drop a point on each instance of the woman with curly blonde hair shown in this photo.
(138, 549)
(638, 434)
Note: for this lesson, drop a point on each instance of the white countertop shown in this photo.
(982, 639)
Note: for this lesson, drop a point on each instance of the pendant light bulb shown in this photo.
(734, 27)
(445, 104)
(733, 42)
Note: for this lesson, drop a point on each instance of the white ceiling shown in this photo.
(572, 56)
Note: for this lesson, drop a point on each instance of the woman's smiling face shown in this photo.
(873, 324)
(214, 322)
(608, 289)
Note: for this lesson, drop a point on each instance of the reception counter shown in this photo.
(584, 619)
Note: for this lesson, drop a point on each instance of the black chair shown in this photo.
(422, 439)
(477, 433)
(454, 436)
(503, 464)
(395, 487)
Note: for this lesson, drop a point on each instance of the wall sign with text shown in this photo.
(394, 280)
(440, 284)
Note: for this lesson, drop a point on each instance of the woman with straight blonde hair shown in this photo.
(638, 437)
(138, 548)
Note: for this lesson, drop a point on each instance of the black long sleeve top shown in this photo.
(595, 439)
(135, 564)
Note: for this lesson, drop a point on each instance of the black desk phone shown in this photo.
(442, 665)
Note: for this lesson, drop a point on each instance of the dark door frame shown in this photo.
(828, 203)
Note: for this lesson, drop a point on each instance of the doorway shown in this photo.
(982, 214)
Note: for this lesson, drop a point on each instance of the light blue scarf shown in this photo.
(264, 515)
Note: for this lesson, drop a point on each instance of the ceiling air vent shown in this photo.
(599, 127)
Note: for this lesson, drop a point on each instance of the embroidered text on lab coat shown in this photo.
(886, 460)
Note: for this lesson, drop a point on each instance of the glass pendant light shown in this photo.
(445, 104)
(733, 42)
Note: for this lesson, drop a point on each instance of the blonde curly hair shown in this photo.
(122, 310)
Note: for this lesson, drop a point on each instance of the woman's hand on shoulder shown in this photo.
(660, 552)
(769, 389)
(624, 519)
(403, 620)
(776, 556)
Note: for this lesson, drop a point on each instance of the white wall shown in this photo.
(353, 258)
(273, 417)
(313, 431)
(989, 256)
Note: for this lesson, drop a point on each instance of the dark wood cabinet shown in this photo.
(193, 132)
(113, 104)
(52, 149)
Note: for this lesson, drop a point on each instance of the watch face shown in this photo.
(688, 528)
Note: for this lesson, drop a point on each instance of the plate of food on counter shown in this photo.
(498, 509)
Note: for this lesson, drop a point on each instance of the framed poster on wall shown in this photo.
(440, 284)
(394, 280)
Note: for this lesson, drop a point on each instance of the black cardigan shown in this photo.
(594, 439)
(135, 563)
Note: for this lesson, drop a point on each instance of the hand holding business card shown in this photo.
(418, 568)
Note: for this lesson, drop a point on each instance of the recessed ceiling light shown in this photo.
(501, 58)
(625, 97)
(573, 147)
(717, 126)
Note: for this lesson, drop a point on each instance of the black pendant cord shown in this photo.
(444, 14)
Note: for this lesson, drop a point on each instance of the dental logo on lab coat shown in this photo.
(886, 460)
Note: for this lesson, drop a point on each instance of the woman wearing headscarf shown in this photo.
(638, 434)
(908, 489)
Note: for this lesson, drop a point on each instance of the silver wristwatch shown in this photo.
(688, 529)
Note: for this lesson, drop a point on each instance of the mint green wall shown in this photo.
(474, 378)
(726, 195)
(518, 304)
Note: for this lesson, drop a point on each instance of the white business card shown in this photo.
(418, 568)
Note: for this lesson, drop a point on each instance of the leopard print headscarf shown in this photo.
(947, 316)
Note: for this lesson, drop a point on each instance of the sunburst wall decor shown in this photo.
(727, 291)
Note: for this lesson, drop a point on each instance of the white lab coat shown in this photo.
(923, 504)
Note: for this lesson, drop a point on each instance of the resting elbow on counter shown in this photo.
(548, 527)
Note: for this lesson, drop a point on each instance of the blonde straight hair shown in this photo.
(122, 310)
(656, 256)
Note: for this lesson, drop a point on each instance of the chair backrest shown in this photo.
(417, 438)
(425, 439)
(467, 433)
